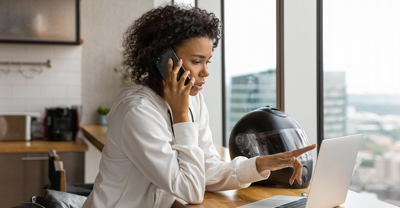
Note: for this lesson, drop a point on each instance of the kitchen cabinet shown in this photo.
(24, 172)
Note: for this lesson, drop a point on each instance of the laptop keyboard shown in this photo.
(301, 203)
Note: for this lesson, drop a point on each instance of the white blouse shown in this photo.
(147, 164)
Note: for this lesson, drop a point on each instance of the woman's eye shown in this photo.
(195, 62)
(208, 62)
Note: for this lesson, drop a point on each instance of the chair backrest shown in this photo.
(53, 156)
(60, 182)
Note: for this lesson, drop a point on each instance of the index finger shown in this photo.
(169, 70)
(298, 152)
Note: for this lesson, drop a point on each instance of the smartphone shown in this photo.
(162, 64)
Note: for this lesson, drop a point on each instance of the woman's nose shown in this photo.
(204, 72)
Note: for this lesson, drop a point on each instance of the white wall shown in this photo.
(300, 64)
(212, 91)
(103, 23)
(59, 85)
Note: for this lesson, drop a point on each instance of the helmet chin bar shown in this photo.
(267, 131)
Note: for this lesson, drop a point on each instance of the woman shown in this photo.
(159, 144)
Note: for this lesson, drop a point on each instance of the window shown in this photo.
(192, 3)
(361, 88)
(250, 58)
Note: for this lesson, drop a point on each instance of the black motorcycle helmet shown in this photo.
(267, 131)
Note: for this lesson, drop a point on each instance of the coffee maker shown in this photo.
(61, 124)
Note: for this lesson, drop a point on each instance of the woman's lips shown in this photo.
(198, 86)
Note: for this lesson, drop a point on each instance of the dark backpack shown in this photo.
(54, 199)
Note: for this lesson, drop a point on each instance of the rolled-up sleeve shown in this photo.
(247, 172)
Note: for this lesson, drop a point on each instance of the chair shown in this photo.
(60, 182)
(57, 177)
(53, 156)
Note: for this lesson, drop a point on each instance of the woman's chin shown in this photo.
(193, 92)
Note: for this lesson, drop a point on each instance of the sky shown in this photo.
(361, 37)
(250, 36)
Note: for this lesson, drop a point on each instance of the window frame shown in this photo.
(280, 95)
(320, 76)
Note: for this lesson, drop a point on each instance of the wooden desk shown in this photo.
(235, 198)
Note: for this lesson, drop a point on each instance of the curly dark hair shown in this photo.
(159, 29)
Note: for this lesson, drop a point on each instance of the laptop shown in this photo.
(331, 179)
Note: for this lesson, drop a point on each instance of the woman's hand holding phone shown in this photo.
(176, 94)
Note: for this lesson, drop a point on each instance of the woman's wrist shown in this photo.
(261, 168)
(259, 164)
(180, 118)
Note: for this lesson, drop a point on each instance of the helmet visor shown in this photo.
(272, 142)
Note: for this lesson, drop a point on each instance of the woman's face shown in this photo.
(196, 53)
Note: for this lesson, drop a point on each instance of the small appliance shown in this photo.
(61, 124)
(15, 126)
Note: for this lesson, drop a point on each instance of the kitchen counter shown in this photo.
(24, 167)
(96, 134)
(42, 146)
